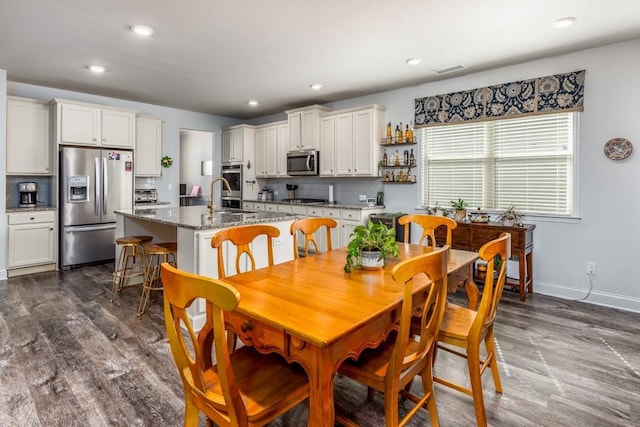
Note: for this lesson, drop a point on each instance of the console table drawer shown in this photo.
(482, 236)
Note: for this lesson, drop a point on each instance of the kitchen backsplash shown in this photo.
(345, 190)
(45, 190)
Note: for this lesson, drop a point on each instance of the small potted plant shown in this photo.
(370, 246)
(460, 207)
(511, 216)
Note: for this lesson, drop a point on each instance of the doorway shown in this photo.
(196, 166)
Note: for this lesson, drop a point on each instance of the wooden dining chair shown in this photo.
(242, 237)
(393, 365)
(428, 223)
(243, 388)
(308, 227)
(467, 328)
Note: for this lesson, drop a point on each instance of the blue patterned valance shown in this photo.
(550, 94)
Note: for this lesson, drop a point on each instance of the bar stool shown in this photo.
(156, 254)
(126, 267)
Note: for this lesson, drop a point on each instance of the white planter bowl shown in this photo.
(370, 260)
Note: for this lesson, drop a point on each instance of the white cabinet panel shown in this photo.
(148, 146)
(28, 137)
(30, 239)
(84, 124)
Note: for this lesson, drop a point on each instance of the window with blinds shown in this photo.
(523, 161)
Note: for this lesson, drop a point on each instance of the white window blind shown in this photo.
(523, 161)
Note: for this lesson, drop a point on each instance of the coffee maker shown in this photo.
(28, 194)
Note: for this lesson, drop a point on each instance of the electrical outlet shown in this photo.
(169, 187)
(277, 241)
(362, 197)
(591, 268)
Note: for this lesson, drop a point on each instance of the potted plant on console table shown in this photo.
(370, 246)
(461, 209)
(511, 216)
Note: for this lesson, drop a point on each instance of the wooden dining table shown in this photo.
(313, 313)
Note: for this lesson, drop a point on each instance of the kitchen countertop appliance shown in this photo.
(93, 183)
(144, 196)
(28, 194)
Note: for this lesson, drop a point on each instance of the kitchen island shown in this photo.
(192, 227)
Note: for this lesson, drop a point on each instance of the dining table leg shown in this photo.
(321, 373)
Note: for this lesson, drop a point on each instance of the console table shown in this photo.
(471, 236)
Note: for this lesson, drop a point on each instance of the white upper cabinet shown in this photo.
(235, 141)
(28, 137)
(272, 144)
(148, 151)
(86, 124)
(327, 146)
(349, 141)
(282, 148)
(304, 127)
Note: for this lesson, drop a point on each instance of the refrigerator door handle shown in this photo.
(105, 193)
(98, 181)
(88, 228)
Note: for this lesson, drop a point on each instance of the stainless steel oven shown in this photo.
(233, 174)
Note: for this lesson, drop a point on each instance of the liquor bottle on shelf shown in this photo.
(397, 158)
(400, 176)
(408, 176)
(407, 135)
(389, 133)
(412, 158)
(385, 159)
(398, 135)
(411, 133)
(406, 157)
(393, 177)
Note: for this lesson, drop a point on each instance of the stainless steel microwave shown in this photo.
(303, 163)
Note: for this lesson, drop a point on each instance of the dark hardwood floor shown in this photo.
(70, 358)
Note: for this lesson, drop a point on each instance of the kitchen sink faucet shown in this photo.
(212, 206)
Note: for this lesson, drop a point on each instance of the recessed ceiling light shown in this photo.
(565, 22)
(316, 86)
(253, 103)
(413, 61)
(142, 30)
(97, 68)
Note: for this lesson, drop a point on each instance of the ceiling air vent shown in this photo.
(449, 69)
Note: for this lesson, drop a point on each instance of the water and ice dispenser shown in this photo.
(78, 189)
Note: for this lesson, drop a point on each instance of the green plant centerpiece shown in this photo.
(511, 216)
(460, 207)
(369, 246)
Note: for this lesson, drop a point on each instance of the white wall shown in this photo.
(195, 147)
(604, 234)
(173, 120)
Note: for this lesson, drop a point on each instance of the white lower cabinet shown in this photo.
(30, 239)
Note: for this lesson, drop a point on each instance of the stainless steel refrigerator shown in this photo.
(94, 183)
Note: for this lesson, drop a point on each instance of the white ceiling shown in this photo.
(213, 56)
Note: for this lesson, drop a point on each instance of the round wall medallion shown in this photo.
(618, 148)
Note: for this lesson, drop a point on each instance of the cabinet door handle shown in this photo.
(31, 218)
(94, 139)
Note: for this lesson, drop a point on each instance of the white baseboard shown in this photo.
(621, 302)
(3, 274)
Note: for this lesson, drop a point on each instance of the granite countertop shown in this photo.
(38, 208)
(321, 204)
(197, 217)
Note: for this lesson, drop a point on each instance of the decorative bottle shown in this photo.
(397, 158)
(385, 159)
(406, 157)
(398, 135)
(389, 133)
(412, 158)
